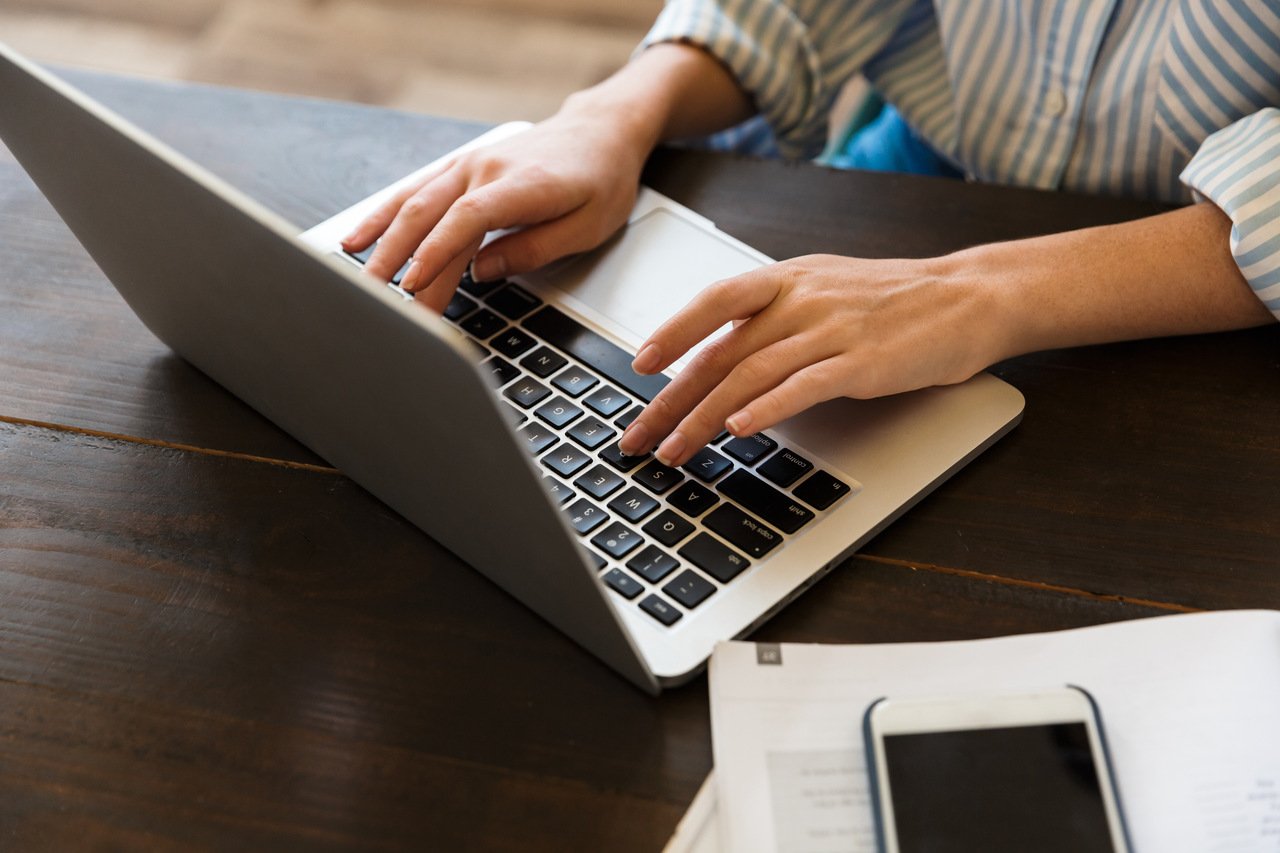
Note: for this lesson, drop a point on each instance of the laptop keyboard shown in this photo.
(666, 540)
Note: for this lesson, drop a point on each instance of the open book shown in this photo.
(1191, 706)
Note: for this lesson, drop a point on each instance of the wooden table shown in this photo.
(210, 638)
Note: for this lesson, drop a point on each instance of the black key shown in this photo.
(821, 490)
(608, 401)
(483, 323)
(525, 392)
(627, 417)
(742, 531)
(620, 460)
(693, 499)
(503, 371)
(633, 504)
(785, 468)
(724, 433)
(558, 490)
(689, 588)
(653, 564)
(566, 460)
(591, 433)
(628, 586)
(573, 380)
(596, 560)
(657, 478)
(362, 257)
(668, 528)
(538, 437)
(617, 540)
(661, 610)
(722, 563)
(765, 501)
(459, 306)
(750, 449)
(706, 465)
(558, 412)
(513, 343)
(513, 302)
(479, 289)
(477, 349)
(585, 516)
(399, 276)
(569, 335)
(544, 362)
(599, 482)
(513, 415)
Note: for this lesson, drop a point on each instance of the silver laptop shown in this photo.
(494, 428)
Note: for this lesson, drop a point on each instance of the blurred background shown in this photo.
(489, 60)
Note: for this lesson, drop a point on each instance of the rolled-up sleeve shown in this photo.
(791, 57)
(1238, 169)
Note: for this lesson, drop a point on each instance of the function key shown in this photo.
(617, 540)
(750, 449)
(558, 411)
(483, 323)
(661, 610)
(821, 490)
(693, 499)
(657, 478)
(459, 306)
(502, 371)
(591, 433)
(513, 302)
(574, 380)
(630, 415)
(538, 437)
(689, 588)
(765, 501)
(615, 457)
(668, 528)
(707, 553)
(742, 531)
(585, 516)
(785, 468)
(706, 465)
(653, 564)
(566, 460)
(479, 289)
(623, 583)
(513, 343)
(633, 504)
(544, 361)
(608, 401)
(599, 482)
(526, 392)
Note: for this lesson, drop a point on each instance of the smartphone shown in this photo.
(993, 773)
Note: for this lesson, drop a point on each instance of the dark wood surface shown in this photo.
(212, 639)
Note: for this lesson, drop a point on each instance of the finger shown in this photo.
(413, 221)
(731, 299)
(805, 388)
(437, 294)
(535, 247)
(373, 225)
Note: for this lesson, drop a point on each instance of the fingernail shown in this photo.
(671, 449)
(411, 275)
(488, 267)
(634, 438)
(646, 361)
(347, 240)
(739, 423)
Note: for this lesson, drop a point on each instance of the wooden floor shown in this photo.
(481, 59)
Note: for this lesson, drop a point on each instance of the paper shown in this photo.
(1190, 704)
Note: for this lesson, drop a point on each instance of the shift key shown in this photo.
(765, 501)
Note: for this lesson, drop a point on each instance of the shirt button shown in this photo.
(1055, 102)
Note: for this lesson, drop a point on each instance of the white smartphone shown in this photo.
(993, 773)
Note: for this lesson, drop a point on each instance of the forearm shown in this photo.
(1170, 274)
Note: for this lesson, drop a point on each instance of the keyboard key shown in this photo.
(742, 531)
(631, 414)
(459, 306)
(689, 588)
(479, 289)
(483, 324)
(585, 516)
(591, 433)
(362, 257)
(596, 560)
(652, 563)
(558, 412)
(503, 371)
(620, 460)
(513, 343)
(657, 478)
(614, 363)
(706, 465)
(661, 610)
(543, 362)
(477, 349)
(785, 468)
(561, 493)
(599, 482)
(617, 540)
(765, 501)
(399, 276)
(693, 499)
(526, 392)
(538, 437)
(668, 528)
(566, 460)
(574, 381)
(513, 302)
(623, 583)
(608, 401)
(750, 449)
(633, 504)
(707, 553)
(821, 490)
(512, 414)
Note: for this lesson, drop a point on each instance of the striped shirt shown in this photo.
(1162, 99)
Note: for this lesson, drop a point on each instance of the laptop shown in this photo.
(494, 428)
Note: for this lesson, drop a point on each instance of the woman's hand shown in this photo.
(808, 330)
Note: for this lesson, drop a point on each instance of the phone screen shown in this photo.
(1018, 788)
